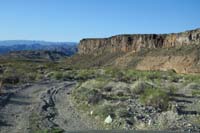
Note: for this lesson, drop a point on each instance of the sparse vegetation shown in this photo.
(106, 91)
(196, 92)
(196, 120)
(155, 97)
(123, 113)
(110, 91)
(105, 110)
(139, 87)
(58, 75)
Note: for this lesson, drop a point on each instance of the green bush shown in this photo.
(192, 78)
(11, 79)
(155, 97)
(88, 88)
(174, 79)
(85, 74)
(196, 93)
(32, 76)
(139, 87)
(104, 110)
(123, 113)
(91, 96)
(58, 75)
(172, 89)
(196, 120)
(152, 75)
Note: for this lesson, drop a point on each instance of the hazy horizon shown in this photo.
(39, 41)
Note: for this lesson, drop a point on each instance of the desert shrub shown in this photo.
(94, 97)
(39, 76)
(174, 78)
(110, 71)
(9, 79)
(196, 93)
(115, 73)
(145, 75)
(192, 78)
(152, 75)
(119, 96)
(132, 74)
(107, 88)
(129, 75)
(193, 86)
(104, 110)
(85, 74)
(123, 113)
(155, 97)
(91, 96)
(120, 76)
(32, 76)
(139, 87)
(196, 119)
(94, 83)
(71, 74)
(58, 75)
(120, 93)
(172, 89)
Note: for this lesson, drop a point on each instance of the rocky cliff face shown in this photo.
(177, 51)
(136, 42)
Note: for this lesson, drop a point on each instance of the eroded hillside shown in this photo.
(177, 51)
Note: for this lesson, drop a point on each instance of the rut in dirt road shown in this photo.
(43, 105)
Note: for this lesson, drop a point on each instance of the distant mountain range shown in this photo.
(69, 48)
(39, 55)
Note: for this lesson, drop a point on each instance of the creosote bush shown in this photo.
(58, 75)
(123, 112)
(11, 79)
(89, 91)
(196, 93)
(139, 87)
(155, 97)
(105, 110)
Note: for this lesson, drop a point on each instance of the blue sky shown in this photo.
(72, 20)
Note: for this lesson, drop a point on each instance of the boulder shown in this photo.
(108, 120)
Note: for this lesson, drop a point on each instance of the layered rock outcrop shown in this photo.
(177, 51)
(136, 42)
(180, 64)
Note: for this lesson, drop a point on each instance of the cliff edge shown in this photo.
(137, 42)
(175, 51)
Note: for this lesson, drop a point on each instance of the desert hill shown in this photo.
(175, 51)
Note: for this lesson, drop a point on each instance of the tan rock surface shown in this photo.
(177, 51)
(136, 42)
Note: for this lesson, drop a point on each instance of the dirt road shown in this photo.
(43, 105)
